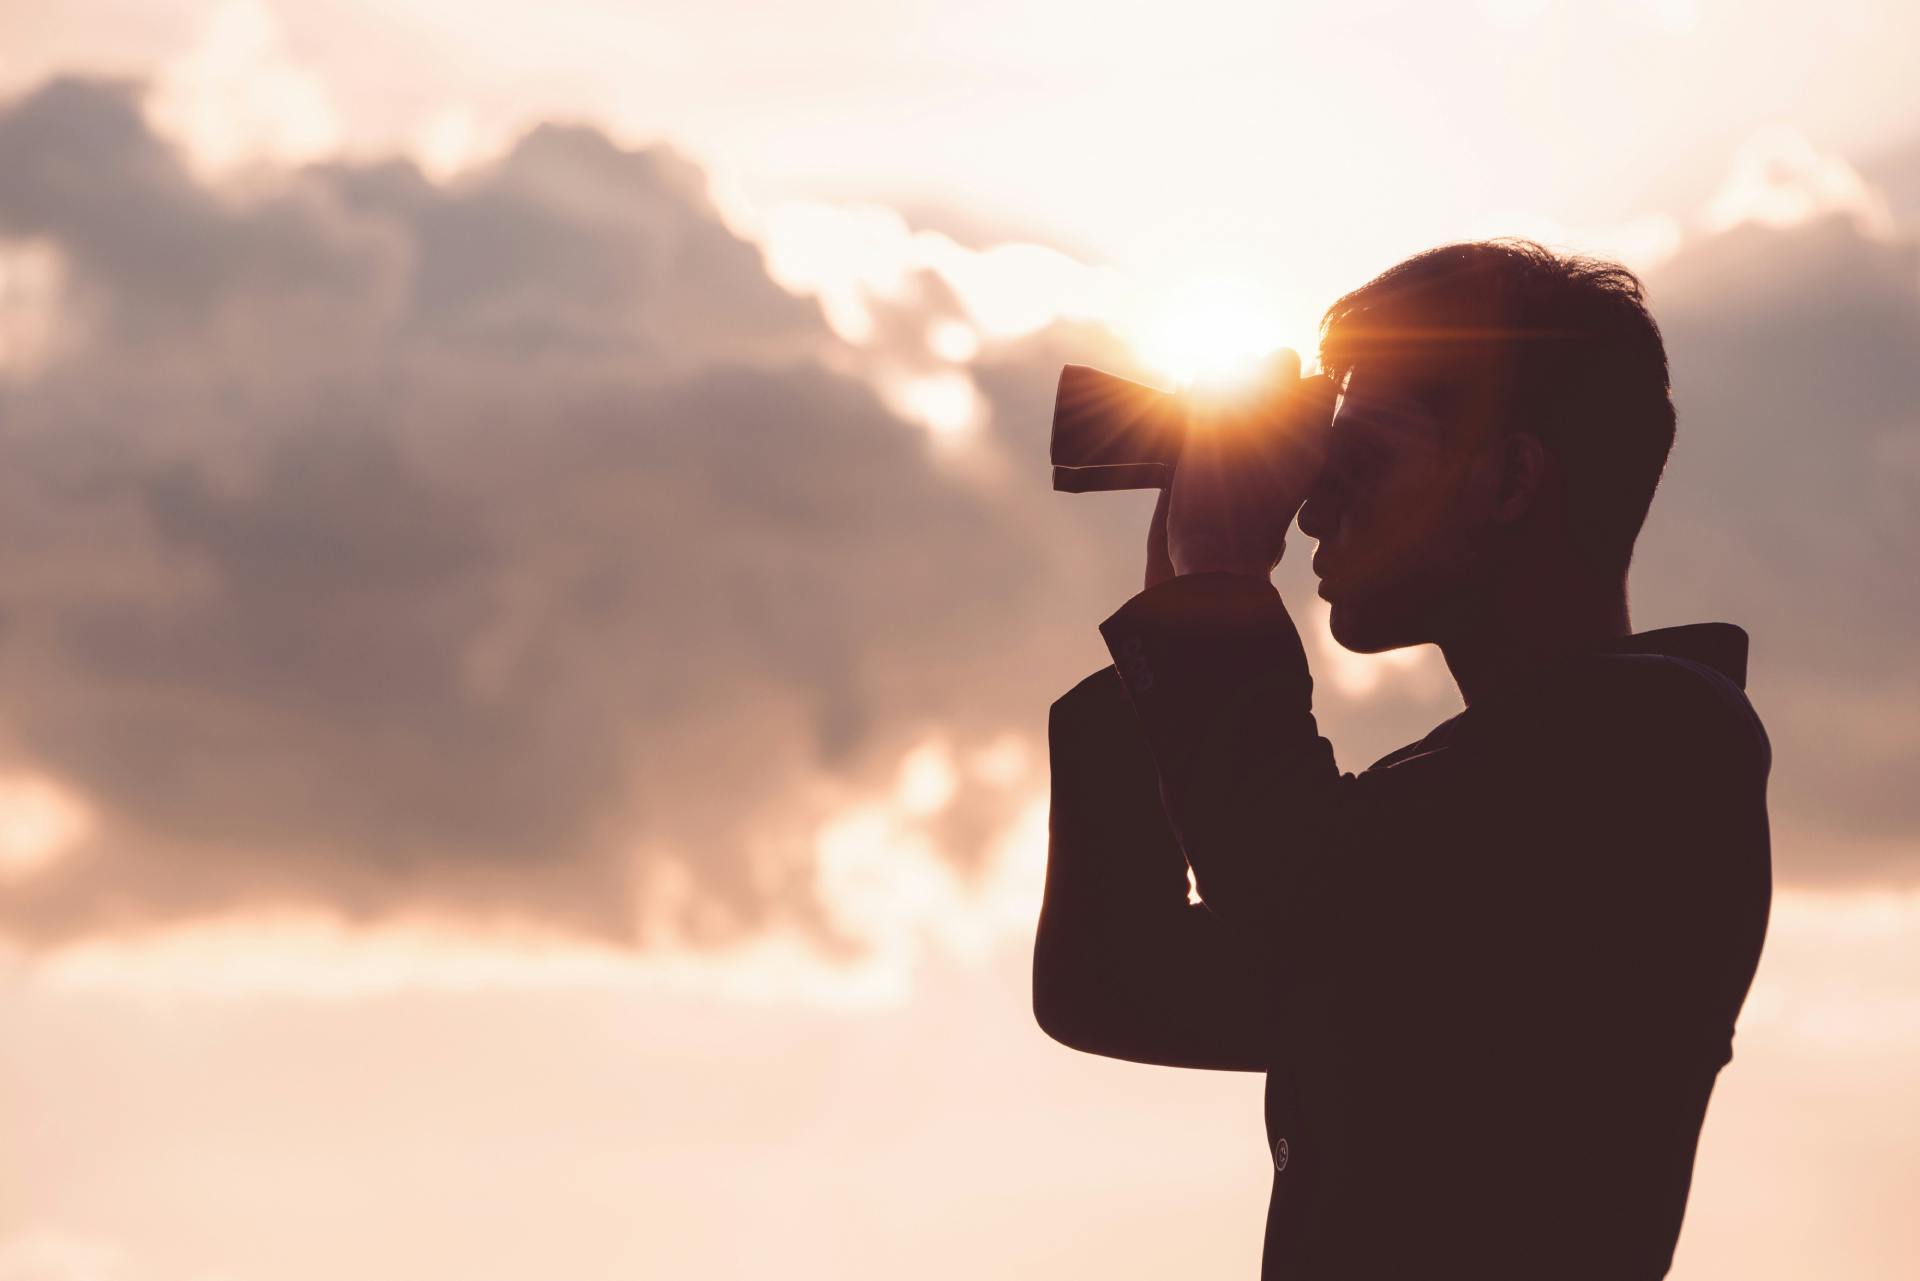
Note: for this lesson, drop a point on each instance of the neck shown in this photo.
(1526, 624)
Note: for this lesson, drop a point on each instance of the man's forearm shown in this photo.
(1124, 965)
(1216, 673)
(1105, 792)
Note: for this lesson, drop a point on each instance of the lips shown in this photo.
(1322, 570)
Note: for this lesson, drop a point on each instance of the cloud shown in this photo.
(1793, 507)
(1779, 179)
(237, 95)
(514, 547)
(483, 547)
(1896, 172)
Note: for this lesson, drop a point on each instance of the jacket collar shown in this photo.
(1721, 646)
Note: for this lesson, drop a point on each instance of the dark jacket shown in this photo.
(1491, 979)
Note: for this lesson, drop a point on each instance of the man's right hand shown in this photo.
(1159, 562)
(1257, 469)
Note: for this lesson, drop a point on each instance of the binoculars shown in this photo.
(1110, 432)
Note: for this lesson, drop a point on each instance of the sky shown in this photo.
(529, 597)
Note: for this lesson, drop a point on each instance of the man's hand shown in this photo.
(1159, 562)
(1243, 472)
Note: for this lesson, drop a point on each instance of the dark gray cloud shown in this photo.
(394, 545)
(1793, 507)
(482, 546)
(1895, 171)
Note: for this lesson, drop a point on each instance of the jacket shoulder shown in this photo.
(1098, 700)
(1664, 704)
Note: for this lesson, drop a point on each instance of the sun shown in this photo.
(1217, 330)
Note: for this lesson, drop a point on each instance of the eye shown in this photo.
(1353, 458)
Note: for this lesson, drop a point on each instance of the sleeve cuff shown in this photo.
(1187, 648)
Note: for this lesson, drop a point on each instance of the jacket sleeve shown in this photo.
(1623, 799)
(1216, 675)
(1124, 964)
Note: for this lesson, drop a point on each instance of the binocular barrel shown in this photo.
(1110, 432)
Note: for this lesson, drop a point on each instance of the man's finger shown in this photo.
(1286, 429)
(1282, 368)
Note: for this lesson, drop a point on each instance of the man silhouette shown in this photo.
(1491, 979)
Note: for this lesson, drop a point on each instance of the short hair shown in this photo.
(1578, 360)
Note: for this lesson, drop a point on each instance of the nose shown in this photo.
(1320, 514)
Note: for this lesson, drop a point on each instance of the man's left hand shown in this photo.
(1244, 471)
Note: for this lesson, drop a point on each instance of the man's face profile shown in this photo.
(1396, 510)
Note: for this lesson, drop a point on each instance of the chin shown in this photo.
(1366, 629)
(1348, 627)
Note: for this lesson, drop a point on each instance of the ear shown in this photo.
(1522, 477)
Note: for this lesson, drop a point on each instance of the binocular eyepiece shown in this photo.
(1110, 432)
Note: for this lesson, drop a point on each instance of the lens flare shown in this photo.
(1217, 332)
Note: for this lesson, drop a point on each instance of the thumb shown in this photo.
(1159, 559)
(1281, 368)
